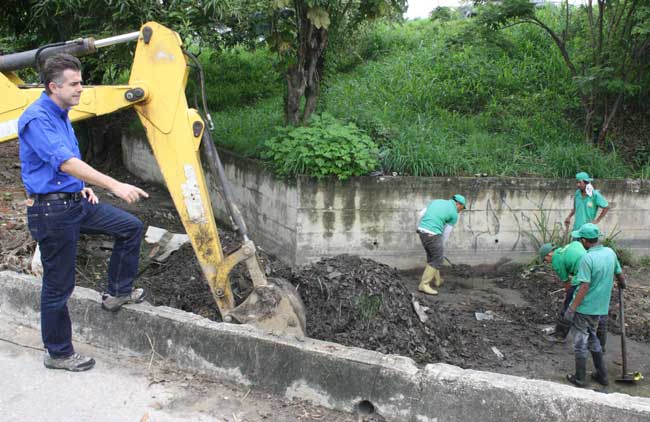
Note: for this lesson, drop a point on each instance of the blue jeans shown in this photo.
(585, 338)
(56, 226)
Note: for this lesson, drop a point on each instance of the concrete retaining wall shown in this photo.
(327, 374)
(303, 220)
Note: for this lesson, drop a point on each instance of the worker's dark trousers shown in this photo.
(584, 338)
(56, 226)
(434, 246)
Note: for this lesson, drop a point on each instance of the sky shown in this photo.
(422, 8)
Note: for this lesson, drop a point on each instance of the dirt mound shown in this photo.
(359, 302)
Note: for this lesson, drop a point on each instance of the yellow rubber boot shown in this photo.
(428, 275)
(437, 279)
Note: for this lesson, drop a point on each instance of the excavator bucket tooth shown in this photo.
(276, 307)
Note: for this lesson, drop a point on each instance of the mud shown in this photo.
(363, 303)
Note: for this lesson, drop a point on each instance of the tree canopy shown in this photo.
(605, 45)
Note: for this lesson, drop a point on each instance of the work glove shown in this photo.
(621, 284)
(569, 314)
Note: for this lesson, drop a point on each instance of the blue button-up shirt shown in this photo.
(47, 140)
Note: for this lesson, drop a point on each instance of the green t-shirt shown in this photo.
(597, 267)
(439, 212)
(566, 259)
(587, 207)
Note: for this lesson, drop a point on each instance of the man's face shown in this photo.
(549, 257)
(459, 206)
(67, 93)
(581, 184)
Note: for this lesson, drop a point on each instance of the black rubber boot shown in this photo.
(600, 376)
(562, 328)
(579, 379)
(601, 333)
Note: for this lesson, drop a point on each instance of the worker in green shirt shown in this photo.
(586, 202)
(436, 223)
(595, 276)
(564, 261)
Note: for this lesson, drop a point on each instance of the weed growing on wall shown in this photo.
(325, 147)
(545, 230)
(625, 256)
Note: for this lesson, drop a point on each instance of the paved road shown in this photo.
(123, 388)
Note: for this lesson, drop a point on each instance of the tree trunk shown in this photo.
(315, 73)
(304, 77)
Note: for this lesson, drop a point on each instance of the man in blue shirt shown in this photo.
(61, 206)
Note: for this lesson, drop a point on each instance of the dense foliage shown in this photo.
(325, 147)
(438, 101)
(605, 46)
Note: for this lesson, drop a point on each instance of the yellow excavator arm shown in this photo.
(156, 90)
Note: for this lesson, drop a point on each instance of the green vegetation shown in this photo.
(325, 147)
(625, 256)
(440, 102)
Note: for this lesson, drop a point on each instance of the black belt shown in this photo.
(72, 196)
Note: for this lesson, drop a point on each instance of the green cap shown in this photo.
(459, 198)
(545, 250)
(587, 231)
(583, 175)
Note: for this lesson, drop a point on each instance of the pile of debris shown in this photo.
(360, 302)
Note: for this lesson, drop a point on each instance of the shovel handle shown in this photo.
(623, 348)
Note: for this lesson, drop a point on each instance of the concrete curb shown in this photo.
(327, 374)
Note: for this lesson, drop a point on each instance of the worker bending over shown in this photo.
(565, 262)
(436, 223)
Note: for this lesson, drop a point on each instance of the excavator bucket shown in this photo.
(274, 307)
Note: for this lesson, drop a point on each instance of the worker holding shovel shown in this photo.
(595, 276)
(435, 225)
(565, 262)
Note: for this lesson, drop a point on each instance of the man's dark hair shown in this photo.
(55, 66)
(592, 241)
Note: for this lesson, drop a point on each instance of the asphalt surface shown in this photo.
(126, 388)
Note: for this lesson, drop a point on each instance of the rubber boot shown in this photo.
(600, 376)
(437, 279)
(581, 371)
(601, 333)
(427, 276)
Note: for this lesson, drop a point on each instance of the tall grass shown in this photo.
(441, 102)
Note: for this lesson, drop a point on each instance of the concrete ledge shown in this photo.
(328, 374)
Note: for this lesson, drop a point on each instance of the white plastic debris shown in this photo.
(164, 242)
(498, 353)
(484, 316)
(37, 265)
(421, 311)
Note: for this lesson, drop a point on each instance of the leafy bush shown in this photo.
(326, 147)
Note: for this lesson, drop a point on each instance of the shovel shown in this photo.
(626, 377)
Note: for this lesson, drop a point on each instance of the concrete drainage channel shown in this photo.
(327, 374)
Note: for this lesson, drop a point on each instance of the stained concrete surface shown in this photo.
(122, 388)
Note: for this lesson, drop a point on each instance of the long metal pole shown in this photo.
(118, 39)
(78, 47)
